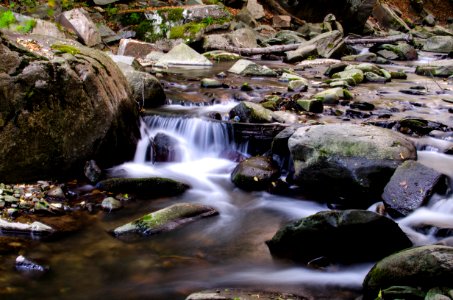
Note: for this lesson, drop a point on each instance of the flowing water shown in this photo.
(227, 250)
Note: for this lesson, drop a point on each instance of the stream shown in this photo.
(227, 250)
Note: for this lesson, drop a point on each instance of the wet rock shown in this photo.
(255, 173)
(150, 187)
(146, 89)
(135, 48)
(248, 68)
(442, 44)
(29, 267)
(210, 83)
(219, 55)
(62, 69)
(410, 187)
(355, 74)
(348, 236)
(413, 92)
(441, 68)
(398, 75)
(361, 105)
(34, 228)
(335, 68)
(242, 294)
(365, 57)
(403, 292)
(404, 51)
(79, 20)
(439, 293)
(356, 114)
(111, 203)
(311, 105)
(183, 55)
(286, 77)
(92, 171)
(166, 219)
(56, 192)
(416, 126)
(372, 77)
(332, 96)
(280, 142)
(355, 162)
(285, 117)
(165, 148)
(387, 54)
(249, 112)
(366, 67)
(422, 267)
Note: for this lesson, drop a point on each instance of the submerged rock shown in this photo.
(347, 161)
(348, 236)
(29, 267)
(411, 186)
(34, 228)
(166, 219)
(255, 173)
(150, 186)
(424, 267)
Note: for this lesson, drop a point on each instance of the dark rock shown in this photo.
(413, 92)
(403, 292)
(351, 163)
(62, 107)
(361, 105)
(165, 148)
(424, 267)
(348, 236)
(92, 172)
(410, 187)
(255, 173)
(356, 114)
(418, 126)
(403, 50)
(311, 105)
(166, 219)
(335, 68)
(111, 203)
(150, 187)
(29, 267)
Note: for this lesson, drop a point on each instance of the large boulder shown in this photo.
(440, 68)
(255, 173)
(80, 22)
(388, 18)
(352, 14)
(347, 163)
(347, 236)
(443, 44)
(249, 112)
(183, 55)
(423, 267)
(62, 104)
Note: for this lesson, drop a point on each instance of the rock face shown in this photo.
(62, 104)
(166, 219)
(255, 173)
(150, 187)
(424, 267)
(339, 236)
(410, 187)
(352, 14)
(347, 161)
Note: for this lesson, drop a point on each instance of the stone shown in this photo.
(210, 83)
(135, 48)
(398, 75)
(147, 90)
(124, 62)
(330, 96)
(243, 38)
(442, 44)
(355, 74)
(255, 173)
(166, 219)
(410, 187)
(387, 54)
(92, 171)
(165, 148)
(335, 68)
(373, 77)
(56, 192)
(111, 203)
(388, 18)
(301, 53)
(248, 68)
(365, 57)
(249, 112)
(79, 20)
(183, 55)
(104, 2)
(429, 20)
(299, 85)
(348, 236)
(441, 68)
(256, 10)
(281, 21)
(90, 100)
(403, 50)
(355, 162)
(422, 267)
(34, 228)
(43, 27)
(152, 187)
(29, 267)
(285, 37)
(219, 55)
(213, 41)
(284, 117)
(311, 105)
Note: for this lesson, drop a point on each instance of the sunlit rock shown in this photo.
(255, 173)
(248, 68)
(80, 21)
(249, 112)
(183, 55)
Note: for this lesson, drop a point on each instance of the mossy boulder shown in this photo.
(249, 112)
(404, 51)
(347, 163)
(348, 236)
(255, 173)
(311, 105)
(442, 44)
(424, 267)
(333, 95)
(248, 68)
(441, 68)
(150, 187)
(166, 219)
(63, 104)
(355, 74)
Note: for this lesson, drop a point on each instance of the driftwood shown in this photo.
(255, 51)
(378, 40)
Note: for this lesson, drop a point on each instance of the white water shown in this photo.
(200, 165)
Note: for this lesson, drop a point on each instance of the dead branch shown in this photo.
(379, 40)
(255, 51)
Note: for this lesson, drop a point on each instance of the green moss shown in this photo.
(188, 30)
(27, 26)
(6, 19)
(61, 48)
(171, 14)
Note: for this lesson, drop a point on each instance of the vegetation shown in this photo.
(6, 19)
(61, 48)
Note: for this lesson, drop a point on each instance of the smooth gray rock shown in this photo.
(135, 48)
(256, 10)
(79, 20)
(255, 173)
(248, 68)
(183, 55)
(442, 44)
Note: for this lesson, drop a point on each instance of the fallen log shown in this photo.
(379, 40)
(255, 51)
